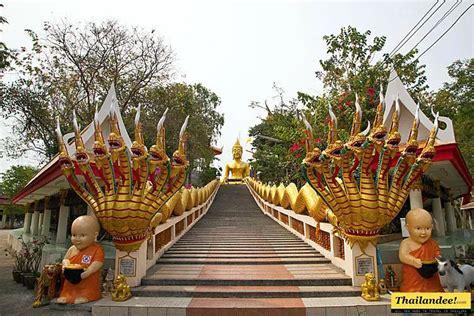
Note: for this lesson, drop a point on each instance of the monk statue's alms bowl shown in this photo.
(72, 272)
(428, 269)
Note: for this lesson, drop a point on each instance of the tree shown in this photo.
(456, 101)
(4, 51)
(12, 181)
(182, 99)
(73, 68)
(349, 70)
(278, 143)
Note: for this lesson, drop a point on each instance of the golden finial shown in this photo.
(380, 109)
(77, 132)
(237, 143)
(332, 135)
(62, 146)
(356, 121)
(395, 117)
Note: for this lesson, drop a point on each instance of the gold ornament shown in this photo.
(363, 201)
(121, 291)
(370, 291)
(130, 192)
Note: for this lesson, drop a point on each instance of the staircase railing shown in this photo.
(320, 235)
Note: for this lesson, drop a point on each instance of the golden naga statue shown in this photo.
(121, 291)
(128, 193)
(361, 200)
(237, 167)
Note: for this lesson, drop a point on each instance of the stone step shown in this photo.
(314, 281)
(272, 251)
(244, 291)
(212, 260)
(243, 256)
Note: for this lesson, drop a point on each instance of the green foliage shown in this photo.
(278, 143)
(347, 70)
(456, 101)
(5, 53)
(182, 100)
(12, 181)
(73, 68)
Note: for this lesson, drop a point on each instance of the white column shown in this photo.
(416, 199)
(358, 262)
(4, 219)
(46, 223)
(450, 217)
(27, 223)
(34, 223)
(439, 217)
(132, 264)
(62, 224)
(40, 223)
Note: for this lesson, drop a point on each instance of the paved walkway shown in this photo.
(15, 299)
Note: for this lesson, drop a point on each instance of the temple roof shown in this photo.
(49, 179)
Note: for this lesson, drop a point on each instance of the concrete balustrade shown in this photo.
(135, 264)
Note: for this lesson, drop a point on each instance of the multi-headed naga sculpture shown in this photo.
(126, 193)
(362, 201)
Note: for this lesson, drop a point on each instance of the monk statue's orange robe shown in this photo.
(90, 288)
(412, 280)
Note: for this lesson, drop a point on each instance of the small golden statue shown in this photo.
(370, 291)
(121, 291)
(237, 167)
(382, 287)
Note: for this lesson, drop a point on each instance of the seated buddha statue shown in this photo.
(238, 168)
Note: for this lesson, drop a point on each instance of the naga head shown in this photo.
(313, 154)
(357, 138)
(378, 133)
(411, 147)
(157, 153)
(428, 152)
(98, 148)
(335, 149)
(116, 142)
(82, 157)
(138, 149)
(394, 136)
(65, 162)
(179, 160)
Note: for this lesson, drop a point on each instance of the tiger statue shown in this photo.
(48, 279)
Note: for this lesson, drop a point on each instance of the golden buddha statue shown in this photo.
(237, 167)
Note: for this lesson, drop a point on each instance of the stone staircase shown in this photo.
(237, 252)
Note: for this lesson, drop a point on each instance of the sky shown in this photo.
(238, 49)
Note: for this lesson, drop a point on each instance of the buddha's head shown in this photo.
(237, 150)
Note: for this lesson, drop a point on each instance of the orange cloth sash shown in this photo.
(412, 280)
(90, 288)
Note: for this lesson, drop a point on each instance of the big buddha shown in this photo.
(238, 168)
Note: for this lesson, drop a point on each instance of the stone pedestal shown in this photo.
(132, 265)
(62, 224)
(439, 217)
(362, 262)
(450, 217)
(27, 223)
(34, 223)
(416, 199)
(46, 223)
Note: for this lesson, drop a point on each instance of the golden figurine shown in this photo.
(237, 167)
(47, 283)
(121, 291)
(382, 287)
(370, 291)
(128, 193)
(363, 200)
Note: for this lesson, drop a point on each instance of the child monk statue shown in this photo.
(417, 254)
(90, 256)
